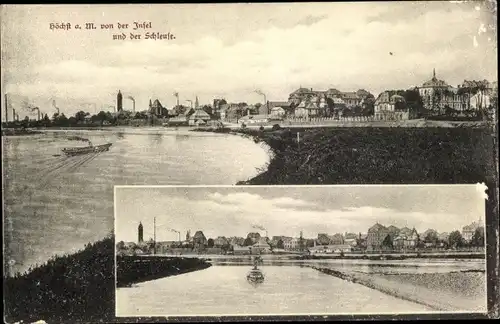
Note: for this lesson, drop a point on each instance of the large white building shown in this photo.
(438, 96)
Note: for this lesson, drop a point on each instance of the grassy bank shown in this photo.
(135, 269)
(67, 288)
(455, 291)
(377, 155)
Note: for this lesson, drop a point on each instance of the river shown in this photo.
(52, 206)
(286, 290)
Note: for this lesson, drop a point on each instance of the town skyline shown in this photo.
(367, 48)
(228, 211)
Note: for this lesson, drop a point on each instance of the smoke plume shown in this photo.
(260, 227)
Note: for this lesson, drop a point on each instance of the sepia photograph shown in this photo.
(233, 94)
(299, 250)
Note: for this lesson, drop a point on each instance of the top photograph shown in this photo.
(255, 94)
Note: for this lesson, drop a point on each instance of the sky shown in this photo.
(287, 210)
(231, 50)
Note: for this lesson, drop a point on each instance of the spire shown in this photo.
(434, 73)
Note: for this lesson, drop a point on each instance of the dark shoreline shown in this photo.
(134, 269)
(375, 155)
(78, 286)
(19, 132)
(390, 257)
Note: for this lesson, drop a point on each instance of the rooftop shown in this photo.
(435, 82)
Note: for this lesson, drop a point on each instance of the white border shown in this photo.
(301, 186)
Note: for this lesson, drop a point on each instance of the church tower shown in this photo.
(188, 235)
(119, 102)
(140, 233)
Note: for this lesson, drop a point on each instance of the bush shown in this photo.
(276, 127)
(379, 155)
(66, 288)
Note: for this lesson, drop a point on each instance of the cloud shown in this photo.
(235, 213)
(311, 20)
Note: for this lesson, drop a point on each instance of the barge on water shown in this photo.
(86, 150)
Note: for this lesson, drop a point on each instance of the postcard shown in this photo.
(231, 94)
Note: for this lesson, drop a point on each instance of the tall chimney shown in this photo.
(6, 109)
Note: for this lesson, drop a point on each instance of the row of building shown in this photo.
(377, 238)
(435, 96)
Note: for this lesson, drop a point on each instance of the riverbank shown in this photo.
(375, 155)
(394, 256)
(454, 291)
(135, 269)
(19, 131)
(67, 288)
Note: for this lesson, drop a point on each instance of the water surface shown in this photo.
(54, 205)
(286, 290)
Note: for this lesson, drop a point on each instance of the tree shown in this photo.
(80, 116)
(226, 246)
(478, 237)
(414, 102)
(120, 245)
(102, 116)
(61, 120)
(280, 244)
(26, 122)
(210, 243)
(387, 242)
(248, 242)
(455, 239)
(208, 109)
(180, 109)
(140, 115)
(431, 237)
(46, 120)
(368, 106)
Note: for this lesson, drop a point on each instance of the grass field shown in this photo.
(378, 155)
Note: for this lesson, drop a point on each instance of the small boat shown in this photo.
(255, 275)
(86, 150)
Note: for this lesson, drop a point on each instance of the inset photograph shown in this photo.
(299, 250)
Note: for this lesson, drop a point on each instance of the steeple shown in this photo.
(434, 73)
(119, 101)
(140, 233)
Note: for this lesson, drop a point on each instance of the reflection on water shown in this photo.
(373, 266)
(74, 207)
(224, 290)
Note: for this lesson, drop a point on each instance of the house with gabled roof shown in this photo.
(407, 238)
(199, 117)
